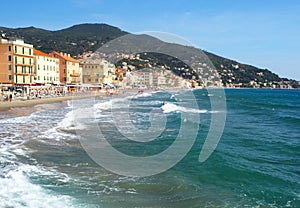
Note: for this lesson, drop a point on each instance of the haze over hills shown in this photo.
(89, 37)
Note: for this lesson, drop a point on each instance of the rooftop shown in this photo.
(65, 56)
(40, 53)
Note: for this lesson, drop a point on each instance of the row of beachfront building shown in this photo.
(23, 65)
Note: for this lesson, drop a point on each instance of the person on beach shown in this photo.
(10, 97)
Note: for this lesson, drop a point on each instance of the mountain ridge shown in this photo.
(81, 38)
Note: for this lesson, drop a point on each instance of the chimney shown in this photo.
(65, 54)
(61, 53)
(68, 55)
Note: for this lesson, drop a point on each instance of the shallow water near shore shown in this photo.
(256, 163)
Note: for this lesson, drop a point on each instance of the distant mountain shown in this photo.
(89, 37)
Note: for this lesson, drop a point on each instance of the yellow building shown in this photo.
(69, 70)
(47, 68)
(97, 72)
(16, 62)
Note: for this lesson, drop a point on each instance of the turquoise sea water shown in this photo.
(256, 163)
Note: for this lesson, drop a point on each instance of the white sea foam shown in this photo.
(170, 107)
(103, 105)
(16, 190)
(15, 120)
(144, 94)
(69, 123)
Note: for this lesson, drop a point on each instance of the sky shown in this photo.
(263, 33)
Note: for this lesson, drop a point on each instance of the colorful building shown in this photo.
(47, 68)
(16, 62)
(69, 70)
(97, 72)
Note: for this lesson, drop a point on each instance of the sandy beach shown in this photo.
(29, 103)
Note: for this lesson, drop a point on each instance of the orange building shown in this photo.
(69, 70)
(16, 62)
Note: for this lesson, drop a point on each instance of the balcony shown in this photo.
(75, 75)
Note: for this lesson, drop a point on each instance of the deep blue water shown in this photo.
(256, 163)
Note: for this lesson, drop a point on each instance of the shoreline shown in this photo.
(5, 106)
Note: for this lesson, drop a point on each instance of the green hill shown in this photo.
(74, 40)
(89, 37)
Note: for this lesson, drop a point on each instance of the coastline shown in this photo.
(4, 106)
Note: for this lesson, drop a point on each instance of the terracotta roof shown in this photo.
(67, 58)
(40, 53)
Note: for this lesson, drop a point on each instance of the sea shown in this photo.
(46, 160)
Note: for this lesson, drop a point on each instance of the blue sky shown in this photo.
(263, 33)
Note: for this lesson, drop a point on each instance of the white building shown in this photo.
(47, 68)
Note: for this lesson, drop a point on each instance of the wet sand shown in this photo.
(29, 103)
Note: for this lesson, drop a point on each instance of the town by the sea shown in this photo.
(255, 164)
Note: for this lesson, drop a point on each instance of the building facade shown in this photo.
(69, 70)
(16, 62)
(47, 68)
(97, 72)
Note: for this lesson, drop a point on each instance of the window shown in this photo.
(24, 79)
(30, 51)
(9, 48)
(44, 68)
(16, 49)
(9, 67)
(30, 61)
(44, 78)
(23, 60)
(23, 50)
(9, 77)
(9, 58)
(16, 60)
(39, 78)
(38, 67)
